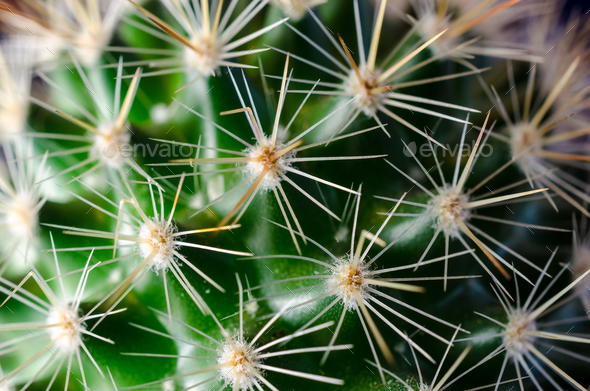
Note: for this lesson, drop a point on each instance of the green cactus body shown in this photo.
(294, 195)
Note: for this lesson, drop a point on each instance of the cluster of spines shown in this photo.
(352, 279)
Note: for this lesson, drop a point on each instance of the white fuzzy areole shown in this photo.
(234, 357)
(68, 336)
(523, 142)
(161, 239)
(88, 46)
(13, 115)
(205, 57)
(297, 9)
(448, 209)
(361, 88)
(429, 26)
(425, 387)
(263, 159)
(20, 215)
(514, 337)
(348, 281)
(108, 142)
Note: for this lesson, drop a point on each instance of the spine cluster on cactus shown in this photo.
(128, 263)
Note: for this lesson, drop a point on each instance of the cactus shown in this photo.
(291, 194)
